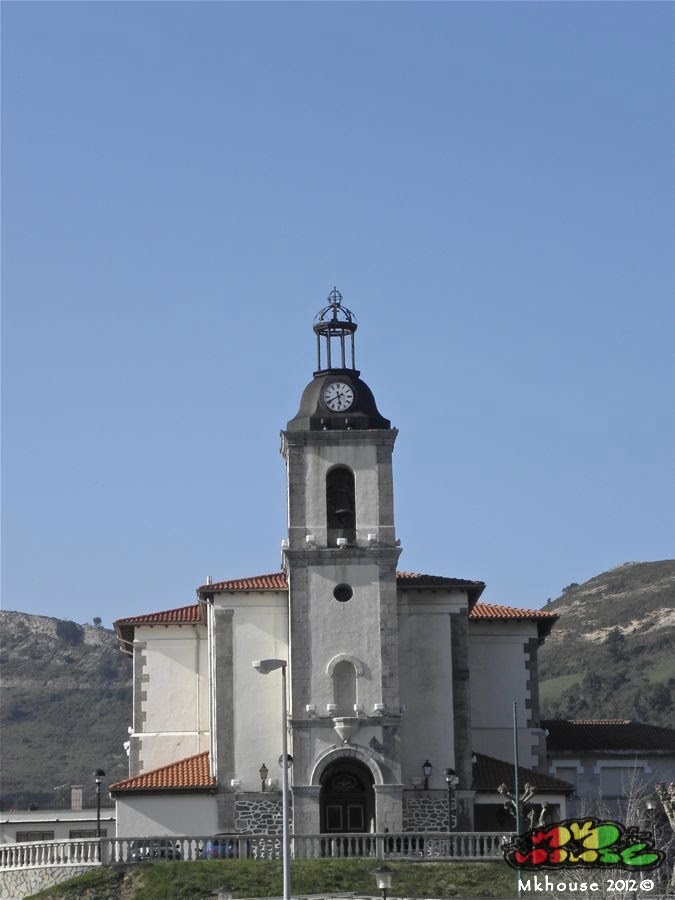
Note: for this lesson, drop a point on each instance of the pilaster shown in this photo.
(223, 718)
(389, 807)
(461, 698)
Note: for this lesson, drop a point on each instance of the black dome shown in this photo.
(314, 415)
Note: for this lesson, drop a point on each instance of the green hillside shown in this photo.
(66, 706)
(66, 695)
(263, 878)
(612, 652)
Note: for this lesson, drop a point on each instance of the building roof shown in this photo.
(194, 774)
(184, 615)
(491, 612)
(489, 773)
(276, 581)
(598, 735)
(190, 774)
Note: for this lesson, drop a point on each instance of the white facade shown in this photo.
(167, 815)
(171, 695)
(385, 671)
(504, 647)
(54, 824)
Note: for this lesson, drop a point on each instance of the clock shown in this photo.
(337, 396)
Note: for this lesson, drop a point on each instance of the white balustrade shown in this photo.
(472, 845)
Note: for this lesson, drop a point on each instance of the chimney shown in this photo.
(76, 796)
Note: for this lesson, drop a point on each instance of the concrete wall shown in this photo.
(498, 652)
(174, 815)
(425, 659)
(362, 461)
(349, 629)
(310, 455)
(259, 631)
(601, 780)
(171, 701)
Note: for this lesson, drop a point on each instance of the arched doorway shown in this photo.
(347, 798)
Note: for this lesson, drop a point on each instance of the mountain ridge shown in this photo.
(611, 653)
(64, 709)
(66, 697)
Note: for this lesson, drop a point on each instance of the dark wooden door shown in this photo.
(344, 804)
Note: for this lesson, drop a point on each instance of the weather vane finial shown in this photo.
(335, 297)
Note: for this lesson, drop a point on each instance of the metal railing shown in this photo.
(471, 845)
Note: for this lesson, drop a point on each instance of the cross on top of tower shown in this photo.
(335, 312)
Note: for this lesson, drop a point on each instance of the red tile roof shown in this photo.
(489, 773)
(599, 735)
(191, 774)
(274, 582)
(492, 611)
(277, 582)
(184, 615)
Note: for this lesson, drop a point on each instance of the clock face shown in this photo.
(338, 396)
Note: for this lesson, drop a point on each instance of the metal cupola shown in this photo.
(336, 399)
(334, 326)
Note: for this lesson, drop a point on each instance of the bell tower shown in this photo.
(340, 562)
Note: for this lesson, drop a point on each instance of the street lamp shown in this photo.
(651, 809)
(452, 781)
(98, 775)
(264, 772)
(383, 876)
(426, 768)
(264, 667)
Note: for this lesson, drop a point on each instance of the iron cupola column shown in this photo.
(340, 561)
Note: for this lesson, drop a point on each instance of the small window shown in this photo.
(25, 836)
(343, 592)
(86, 833)
(618, 781)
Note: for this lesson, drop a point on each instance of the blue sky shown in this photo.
(490, 187)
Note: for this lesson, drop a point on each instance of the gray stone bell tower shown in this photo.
(340, 561)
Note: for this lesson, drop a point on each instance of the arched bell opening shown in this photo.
(340, 506)
(347, 798)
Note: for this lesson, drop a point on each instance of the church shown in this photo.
(399, 686)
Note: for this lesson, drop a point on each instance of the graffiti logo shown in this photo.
(584, 843)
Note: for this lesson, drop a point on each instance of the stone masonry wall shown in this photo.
(25, 882)
(258, 815)
(425, 813)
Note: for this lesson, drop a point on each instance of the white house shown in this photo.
(609, 761)
(387, 670)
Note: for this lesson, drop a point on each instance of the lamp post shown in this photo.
(426, 768)
(264, 772)
(264, 667)
(383, 876)
(98, 775)
(651, 807)
(452, 781)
